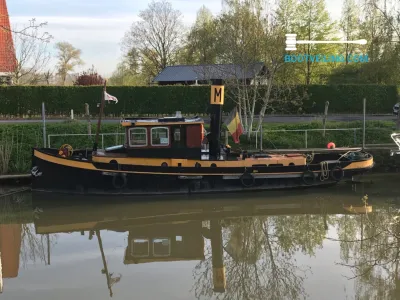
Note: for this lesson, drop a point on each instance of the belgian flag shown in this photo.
(234, 125)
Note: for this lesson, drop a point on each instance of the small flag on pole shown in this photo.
(234, 125)
(109, 98)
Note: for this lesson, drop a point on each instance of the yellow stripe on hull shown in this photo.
(157, 162)
(248, 162)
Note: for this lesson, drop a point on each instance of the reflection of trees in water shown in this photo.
(35, 247)
(371, 249)
(16, 209)
(259, 257)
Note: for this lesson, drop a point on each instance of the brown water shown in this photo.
(286, 245)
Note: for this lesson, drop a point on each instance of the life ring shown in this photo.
(119, 176)
(308, 172)
(335, 170)
(247, 176)
(65, 150)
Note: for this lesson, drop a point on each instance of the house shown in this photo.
(203, 74)
(8, 61)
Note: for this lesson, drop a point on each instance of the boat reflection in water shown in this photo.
(211, 232)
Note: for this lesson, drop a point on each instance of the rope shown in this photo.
(309, 158)
(324, 171)
(347, 153)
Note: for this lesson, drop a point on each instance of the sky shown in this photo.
(97, 27)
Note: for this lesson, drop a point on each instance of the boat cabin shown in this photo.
(168, 137)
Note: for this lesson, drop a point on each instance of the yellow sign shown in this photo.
(217, 95)
(219, 278)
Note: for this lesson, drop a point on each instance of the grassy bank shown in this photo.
(17, 140)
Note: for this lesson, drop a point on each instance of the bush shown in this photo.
(166, 100)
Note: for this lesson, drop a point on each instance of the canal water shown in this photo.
(333, 243)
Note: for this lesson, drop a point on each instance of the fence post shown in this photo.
(88, 119)
(325, 117)
(364, 112)
(261, 137)
(306, 137)
(44, 124)
(102, 141)
(355, 137)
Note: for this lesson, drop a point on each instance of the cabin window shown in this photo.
(177, 134)
(160, 136)
(140, 247)
(137, 137)
(161, 247)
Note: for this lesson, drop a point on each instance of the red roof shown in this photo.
(7, 51)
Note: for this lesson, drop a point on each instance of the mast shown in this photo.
(104, 262)
(99, 121)
(216, 102)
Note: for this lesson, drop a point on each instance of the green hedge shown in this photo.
(59, 100)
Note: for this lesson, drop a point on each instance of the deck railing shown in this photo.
(261, 138)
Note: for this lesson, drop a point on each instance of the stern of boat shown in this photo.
(359, 165)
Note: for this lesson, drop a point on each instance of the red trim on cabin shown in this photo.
(194, 136)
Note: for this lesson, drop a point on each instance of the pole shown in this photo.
(216, 102)
(261, 137)
(219, 278)
(88, 119)
(104, 261)
(44, 124)
(48, 249)
(1, 276)
(99, 121)
(364, 111)
(325, 116)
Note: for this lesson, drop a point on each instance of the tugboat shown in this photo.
(174, 155)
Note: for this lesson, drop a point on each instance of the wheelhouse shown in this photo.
(169, 137)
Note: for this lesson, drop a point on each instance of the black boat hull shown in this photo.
(62, 175)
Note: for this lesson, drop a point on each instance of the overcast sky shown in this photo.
(98, 26)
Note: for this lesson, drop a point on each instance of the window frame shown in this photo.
(169, 247)
(130, 140)
(160, 145)
(133, 247)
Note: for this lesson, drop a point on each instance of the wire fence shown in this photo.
(316, 138)
(85, 140)
(265, 139)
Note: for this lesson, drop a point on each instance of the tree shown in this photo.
(89, 77)
(350, 24)
(247, 35)
(314, 24)
(157, 37)
(31, 53)
(68, 58)
(201, 47)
